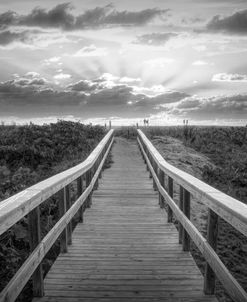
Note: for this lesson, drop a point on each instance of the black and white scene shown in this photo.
(123, 151)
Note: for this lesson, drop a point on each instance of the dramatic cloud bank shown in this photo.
(235, 23)
(221, 107)
(106, 94)
(61, 17)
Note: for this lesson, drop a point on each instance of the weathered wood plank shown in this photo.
(125, 250)
(230, 283)
(16, 284)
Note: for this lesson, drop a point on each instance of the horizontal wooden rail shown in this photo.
(16, 207)
(209, 196)
(228, 208)
(98, 156)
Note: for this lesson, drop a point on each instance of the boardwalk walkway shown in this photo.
(125, 250)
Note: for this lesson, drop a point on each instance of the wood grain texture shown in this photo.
(228, 208)
(19, 280)
(125, 250)
(16, 207)
(234, 289)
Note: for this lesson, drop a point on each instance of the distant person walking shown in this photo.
(146, 122)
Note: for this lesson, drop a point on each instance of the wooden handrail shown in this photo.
(219, 204)
(16, 207)
(30, 200)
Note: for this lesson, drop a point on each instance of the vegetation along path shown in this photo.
(125, 250)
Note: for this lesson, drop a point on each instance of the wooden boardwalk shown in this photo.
(125, 250)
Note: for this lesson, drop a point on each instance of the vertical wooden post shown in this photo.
(88, 180)
(155, 170)
(35, 238)
(100, 160)
(68, 205)
(79, 193)
(62, 211)
(170, 192)
(212, 233)
(150, 160)
(181, 202)
(95, 169)
(162, 181)
(186, 210)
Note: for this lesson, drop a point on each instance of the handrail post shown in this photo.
(79, 193)
(170, 192)
(186, 210)
(88, 180)
(35, 238)
(212, 234)
(68, 205)
(101, 158)
(96, 185)
(181, 203)
(155, 171)
(150, 160)
(62, 211)
(162, 182)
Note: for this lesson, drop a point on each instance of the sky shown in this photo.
(124, 61)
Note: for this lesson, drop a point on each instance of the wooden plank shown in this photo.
(16, 284)
(125, 250)
(230, 283)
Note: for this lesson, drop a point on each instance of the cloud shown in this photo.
(235, 23)
(30, 80)
(128, 80)
(57, 17)
(225, 77)
(6, 19)
(23, 96)
(108, 16)
(62, 76)
(155, 39)
(61, 17)
(199, 63)
(16, 97)
(91, 51)
(216, 107)
(83, 85)
(7, 37)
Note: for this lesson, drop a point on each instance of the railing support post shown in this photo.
(181, 202)
(101, 158)
(212, 234)
(88, 180)
(68, 205)
(155, 167)
(79, 193)
(150, 160)
(35, 237)
(62, 211)
(96, 185)
(170, 192)
(186, 210)
(162, 182)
